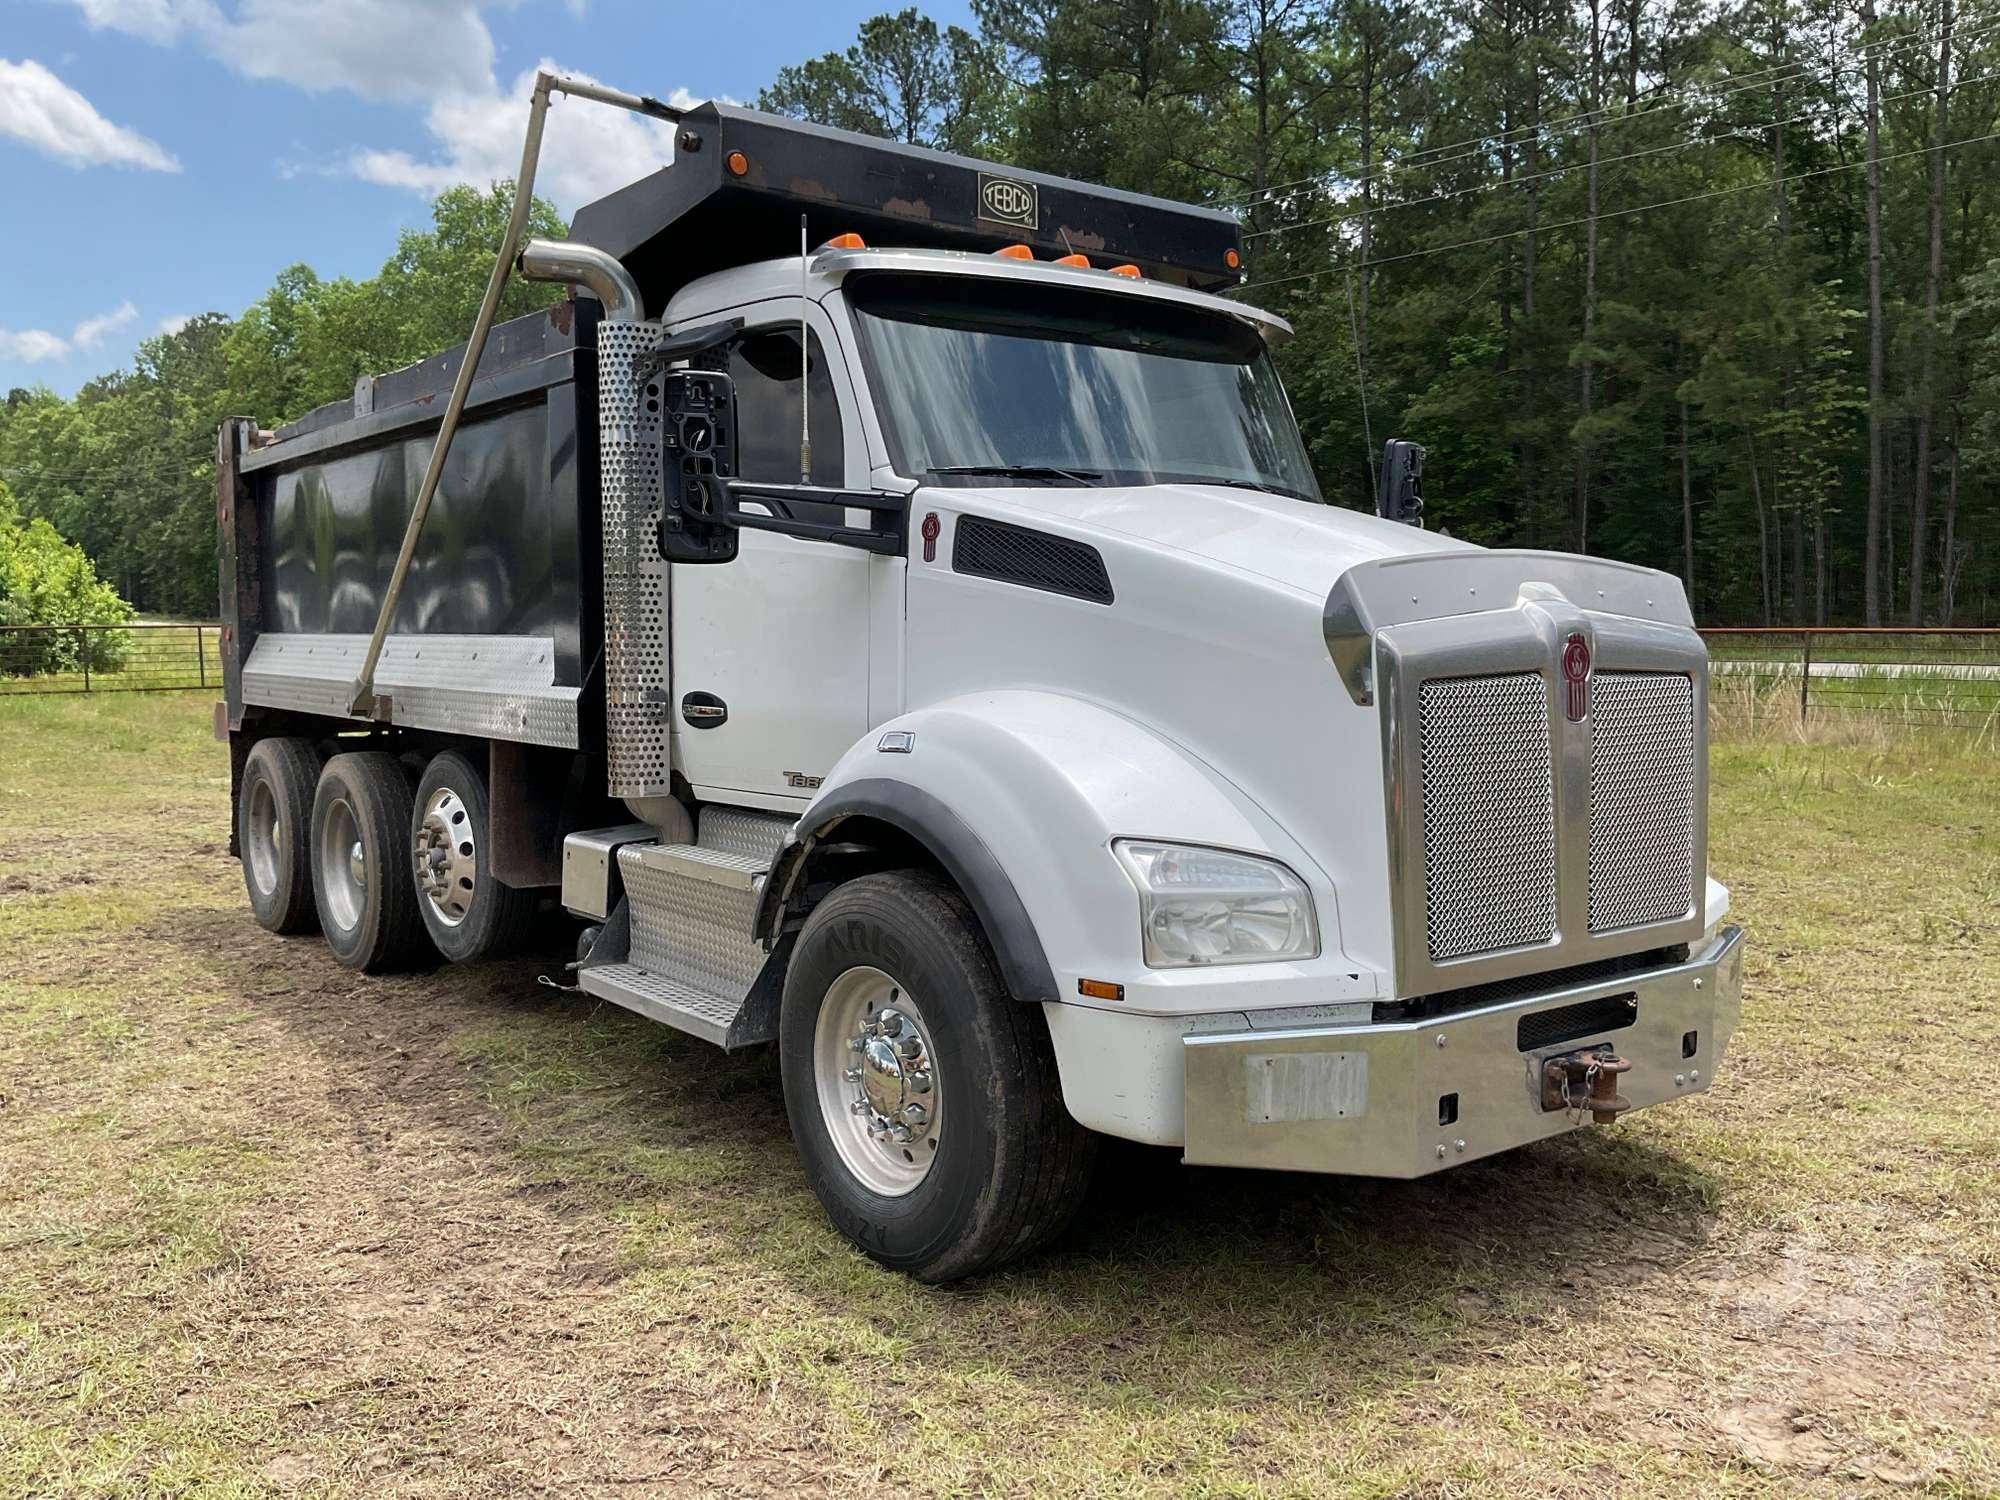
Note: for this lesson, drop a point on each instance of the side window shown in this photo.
(765, 366)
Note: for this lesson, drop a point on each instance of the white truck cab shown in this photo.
(1006, 726)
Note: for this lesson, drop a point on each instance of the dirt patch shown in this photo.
(410, 1272)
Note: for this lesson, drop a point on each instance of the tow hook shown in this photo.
(1582, 1081)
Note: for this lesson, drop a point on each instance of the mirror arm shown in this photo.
(885, 538)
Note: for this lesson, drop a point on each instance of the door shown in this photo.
(771, 651)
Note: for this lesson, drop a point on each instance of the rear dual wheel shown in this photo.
(468, 913)
(398, 871)
(360, 834)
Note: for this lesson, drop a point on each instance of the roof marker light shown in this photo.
(1126, 270)
(1073, 260)
(1231, 259)
(848, 241)
(1015, 252)
(737, 163)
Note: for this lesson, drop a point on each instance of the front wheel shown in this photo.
(923, 1098)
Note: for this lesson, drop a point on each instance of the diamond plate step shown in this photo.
(691, 910)
(699, 1012)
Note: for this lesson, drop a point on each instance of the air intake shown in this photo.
(1034, 559)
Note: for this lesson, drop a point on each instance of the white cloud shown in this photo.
(436, 51)
(39, 108)
(379, 49)
(173, 325)
(93, 331)
(587, 149)
(33, 345)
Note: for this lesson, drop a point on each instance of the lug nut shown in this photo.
(859, 1107)
(916, 1114)
(900, 1133)
(889, 1023)
(919, 1083)
(853, 1075)
(855, 1044)
(912, 1047)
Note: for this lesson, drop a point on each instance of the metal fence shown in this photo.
(1907, 675)
(1911, 676)
(109, 658)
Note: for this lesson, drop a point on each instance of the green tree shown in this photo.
(903, 79)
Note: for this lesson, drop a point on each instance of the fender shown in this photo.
(1018, 795)
(1024, 967)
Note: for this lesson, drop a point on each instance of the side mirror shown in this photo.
(1399, 493)
(697, 460)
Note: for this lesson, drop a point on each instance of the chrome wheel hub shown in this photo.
(263, 840)
(447, 856)
(877, 1081)
(343, 866)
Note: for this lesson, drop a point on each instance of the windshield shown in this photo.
(981, 380)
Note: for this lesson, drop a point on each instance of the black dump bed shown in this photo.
(313, 515)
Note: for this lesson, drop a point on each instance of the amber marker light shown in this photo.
(737, 163)
(848, 241)
(1231, 259)
(1073, 260)
(1126, 270)
(1100, 989)
(1015, 252)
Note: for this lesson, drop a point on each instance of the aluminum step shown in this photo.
(684, 955)
(701, 1013)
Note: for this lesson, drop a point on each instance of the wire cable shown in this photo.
(1620, 213)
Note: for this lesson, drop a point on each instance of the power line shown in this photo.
(1620, 213)
(1740, 84)
(1748, 132)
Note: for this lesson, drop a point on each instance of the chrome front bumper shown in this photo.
(1412, 1098)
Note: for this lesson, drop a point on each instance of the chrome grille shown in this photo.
(1642, 789)
(1489, 813)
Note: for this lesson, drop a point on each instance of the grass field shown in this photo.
(269, 1228)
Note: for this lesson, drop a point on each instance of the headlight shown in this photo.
(1208, 906)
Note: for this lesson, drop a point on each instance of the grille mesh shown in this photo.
(1016, 554)
(1642, 774)
(1489, 813)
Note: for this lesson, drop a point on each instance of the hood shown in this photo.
(1293, 542)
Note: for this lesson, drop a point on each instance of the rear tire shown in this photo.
(360, 863)
(993, 1166)
(274, 802)
(468, 913)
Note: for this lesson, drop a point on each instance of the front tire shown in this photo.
(274, 801)
(361, 884)
(923, 1098)
(468, 913)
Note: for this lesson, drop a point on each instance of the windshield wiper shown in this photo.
(1261, 487)
(1020, 471)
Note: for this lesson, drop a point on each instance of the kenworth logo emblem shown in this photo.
(1009, 201)
(1576, 678)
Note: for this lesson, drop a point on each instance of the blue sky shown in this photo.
(162, 158)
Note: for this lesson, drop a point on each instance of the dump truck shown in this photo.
(888, 606)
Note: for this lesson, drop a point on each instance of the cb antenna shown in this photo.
(805, 367)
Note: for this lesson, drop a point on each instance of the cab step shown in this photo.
(689, 960)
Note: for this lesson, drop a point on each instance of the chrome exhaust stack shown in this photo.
(587, 266)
